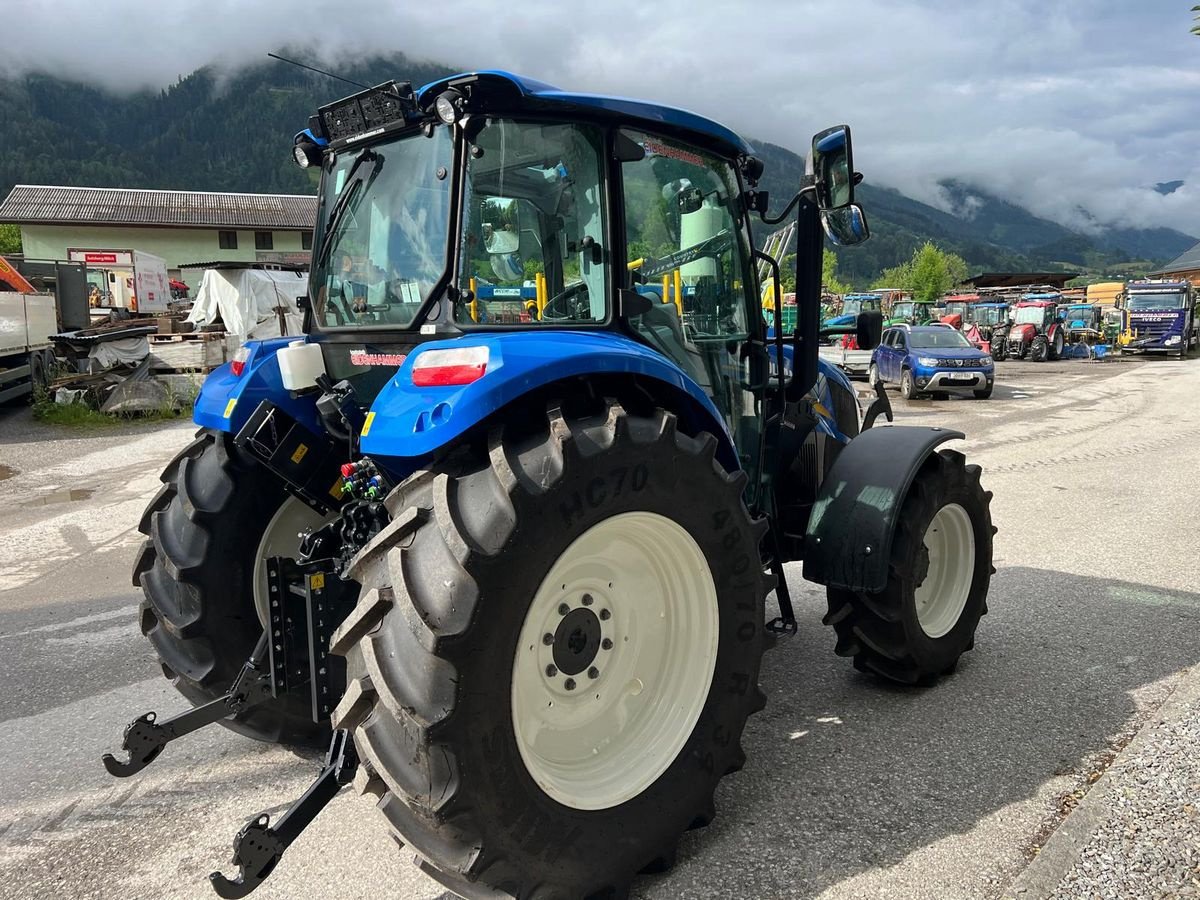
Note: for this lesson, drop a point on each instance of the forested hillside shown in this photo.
(216, 132)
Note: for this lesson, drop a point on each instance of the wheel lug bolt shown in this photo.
(563, 609)
(547, 639)
(587, 599)
(605, 615)
(593, 672)
(569, 684)
(551, 671)
(606, 644)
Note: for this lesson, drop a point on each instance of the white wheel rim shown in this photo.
(942, 596)
(634, 706)
(281, 538)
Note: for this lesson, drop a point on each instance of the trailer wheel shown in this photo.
(207, 527)
(936, 593)
(39, 376)
(555, 652)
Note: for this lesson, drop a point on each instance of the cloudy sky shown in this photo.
(1072, 108)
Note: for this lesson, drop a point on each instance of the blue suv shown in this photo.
(931, 358)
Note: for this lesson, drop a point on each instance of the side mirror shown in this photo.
(501, 225)
(869, 327)
(833, 167)
(846, 226)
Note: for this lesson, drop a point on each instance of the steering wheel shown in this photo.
(573, 302)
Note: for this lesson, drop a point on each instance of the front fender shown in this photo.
(410, 422)
(227, 400)
(848, 543)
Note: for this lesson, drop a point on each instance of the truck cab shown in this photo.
(1159, 315)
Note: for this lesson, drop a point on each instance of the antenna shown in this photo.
(318, 71)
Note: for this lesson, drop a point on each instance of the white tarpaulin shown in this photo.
(247, 301)
(131, 350)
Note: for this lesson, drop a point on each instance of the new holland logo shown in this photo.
(363, 358)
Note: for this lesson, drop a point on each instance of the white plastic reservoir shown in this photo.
(299, 365)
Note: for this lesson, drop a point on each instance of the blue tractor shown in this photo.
(500, 529)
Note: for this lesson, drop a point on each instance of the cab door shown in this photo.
(688, 250)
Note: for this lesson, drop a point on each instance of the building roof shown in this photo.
(1185, 262)
(35, 204)
(1020, 279)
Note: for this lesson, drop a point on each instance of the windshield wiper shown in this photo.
(343, 203)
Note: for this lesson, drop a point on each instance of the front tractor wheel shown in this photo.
(555, 652)
(936, 593)
(1039, 349)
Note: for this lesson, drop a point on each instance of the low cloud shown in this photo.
(1073, 111)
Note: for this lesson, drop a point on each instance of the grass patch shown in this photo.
(72, 415)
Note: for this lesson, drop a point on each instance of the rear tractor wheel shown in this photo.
(941, 564)
(555, 652)
(209, 531)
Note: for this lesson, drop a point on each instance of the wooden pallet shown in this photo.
(197, 351)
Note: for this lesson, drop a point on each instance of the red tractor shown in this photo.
(1034, 330)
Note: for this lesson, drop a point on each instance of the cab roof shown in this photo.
(538, 95)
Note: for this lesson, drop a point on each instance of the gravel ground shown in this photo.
(1148, 843)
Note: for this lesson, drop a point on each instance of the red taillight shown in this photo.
(238, 365)
(449, 366)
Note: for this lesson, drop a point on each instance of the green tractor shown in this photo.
(910, 312)
(510, 556)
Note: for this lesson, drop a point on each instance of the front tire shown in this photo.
(938, 577)
(538, 718)
(908, 388)
(1039, 349)
(197, 570)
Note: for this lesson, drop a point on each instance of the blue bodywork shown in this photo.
(408, 423)
(622, 108)
(227, 400)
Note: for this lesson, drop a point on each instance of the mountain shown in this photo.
(232, 132)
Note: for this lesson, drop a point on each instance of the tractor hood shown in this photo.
(1022, 332)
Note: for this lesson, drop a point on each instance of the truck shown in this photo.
(844, 350)
(27, 320)
(514, 575)
(126, 279)
(1159, 314)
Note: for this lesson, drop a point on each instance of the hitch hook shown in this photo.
(145, 737)
(259, 845)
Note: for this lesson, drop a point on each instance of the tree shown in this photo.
(829, 277)
(10, 239)
(928, 275)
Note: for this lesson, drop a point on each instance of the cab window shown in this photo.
(533, 239)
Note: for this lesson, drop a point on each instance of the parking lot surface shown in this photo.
(852, 788)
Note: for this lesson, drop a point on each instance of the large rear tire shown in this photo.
(197, 568)
(938, 577)
(555, 652)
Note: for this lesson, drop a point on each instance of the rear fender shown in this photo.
(848, 542)
(408, 423)
(227, 400)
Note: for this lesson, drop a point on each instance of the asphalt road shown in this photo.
(852, 789)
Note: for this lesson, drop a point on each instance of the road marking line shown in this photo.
(126, 612)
